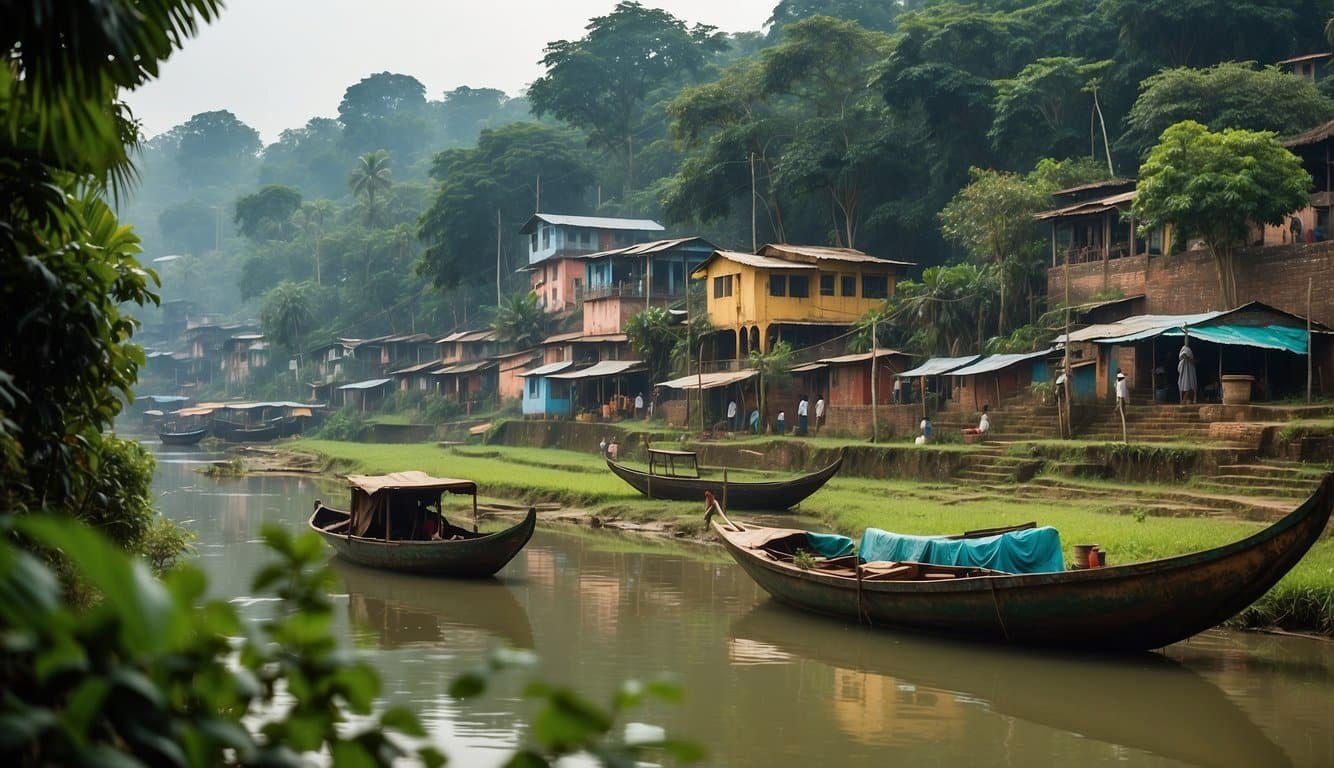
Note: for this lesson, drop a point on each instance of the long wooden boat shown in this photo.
(233, 432)
(182, 436)
(1149, 702)
(391, 525)
(770, 495)
(1134, 607)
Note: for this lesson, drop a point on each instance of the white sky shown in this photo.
(277, 63)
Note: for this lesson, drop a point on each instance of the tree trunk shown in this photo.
(1225, 262)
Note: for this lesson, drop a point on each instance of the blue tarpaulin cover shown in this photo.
(1035, 550)
(829, 544)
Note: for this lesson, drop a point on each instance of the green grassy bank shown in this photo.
(1303, 601)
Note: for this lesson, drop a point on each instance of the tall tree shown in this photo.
(1228, 95)
(370, 177)
(267, 214)
(386, 111)
(600, 82)
(499, 175)
(1045, 111)
(521, 323)
(216, 149)
(287, 317)
(871, 14)
(992, 218)
(653, 336)
(1192, 33)
(1215, 186)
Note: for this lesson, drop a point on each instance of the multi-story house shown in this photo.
(555, 243)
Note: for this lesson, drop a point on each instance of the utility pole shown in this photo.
(875, 358)
(537, 206)
(753, 245)
(1310, 349)
(498, 301)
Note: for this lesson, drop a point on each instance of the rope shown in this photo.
(995, 603)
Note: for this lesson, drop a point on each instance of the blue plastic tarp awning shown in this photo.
(939, 365)
(1280, 337)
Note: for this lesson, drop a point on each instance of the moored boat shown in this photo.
(1132, 607)
(738, 494)
(172, 436)
(392, 525)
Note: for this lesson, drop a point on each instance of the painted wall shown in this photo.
(546, 397)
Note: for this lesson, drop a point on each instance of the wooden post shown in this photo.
(474, 511)
(724, 487)
(1310, 339)
(875, 415)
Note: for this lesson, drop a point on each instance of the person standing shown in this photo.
(803, 409)
(1122, 401)
(732, 421)
(927, 431)
(819, 413)
(755, 420)
(639, 404)
(1186, 373)
(782, 422)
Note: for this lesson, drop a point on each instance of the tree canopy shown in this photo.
(1216, 186)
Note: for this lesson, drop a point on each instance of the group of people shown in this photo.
(780, 423)
(927, 430)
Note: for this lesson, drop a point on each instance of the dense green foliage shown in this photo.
(1216, 186)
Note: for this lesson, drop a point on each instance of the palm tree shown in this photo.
(653, 337)
(773, 368)
(521, 322)
(310, 218)
(286, 316)
(369, 177)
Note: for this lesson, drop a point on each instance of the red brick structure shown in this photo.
(1187, 282)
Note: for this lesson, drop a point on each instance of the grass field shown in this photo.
(1304, 600)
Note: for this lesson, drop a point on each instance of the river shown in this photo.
(764, 685)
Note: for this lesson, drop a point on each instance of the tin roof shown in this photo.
(592, 222)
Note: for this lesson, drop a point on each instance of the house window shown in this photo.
(532, 386)
(875, 287)
(722, 286)
(532, 242)
(848, 285)
(799, 286)
(1156, 242)
(546, 237)
(826, 285)
(777, 285)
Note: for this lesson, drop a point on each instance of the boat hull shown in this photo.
(234, 433)
(470, 558)
(1133, 607)
(188, 437)
(776, 495)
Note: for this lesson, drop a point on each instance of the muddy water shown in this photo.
(766, 686)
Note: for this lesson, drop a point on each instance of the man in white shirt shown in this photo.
(802, 422)
(639, 404)
(732, 423)
(1122, 390)
(819, 413)
(983, 424)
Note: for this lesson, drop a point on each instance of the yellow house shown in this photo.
(805, 294)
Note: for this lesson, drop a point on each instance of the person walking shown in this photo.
(639, 404)
(781, 422)
(1122, 402)
(819, 413)
(1186, 373)
(802, 411)
(927, 431)
(732, 422)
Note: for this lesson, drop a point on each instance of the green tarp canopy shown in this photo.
(1280, 337)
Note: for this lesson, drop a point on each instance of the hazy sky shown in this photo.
(277, 63)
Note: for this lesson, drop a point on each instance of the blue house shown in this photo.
(556, 241)
(544, 396)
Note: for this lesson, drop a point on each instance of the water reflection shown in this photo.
(406, 610)
(901, 689)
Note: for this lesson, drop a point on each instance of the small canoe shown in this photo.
(182, 437)
(1132, 607)
(740, 494)
(239, 433)
(392, 525)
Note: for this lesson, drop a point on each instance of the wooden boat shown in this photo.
(234, 432)
(1148, 702)
(1133, 607)
(671, 483)
(173, 436)
(391, 525)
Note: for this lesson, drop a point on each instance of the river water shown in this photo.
(765, 685)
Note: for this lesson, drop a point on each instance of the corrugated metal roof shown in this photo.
(641, 249)
(473, 367)
(860, 357)
(415, 368)
(1087, 207)
(578, 336)
(592, 222)
(992, 363)
(367, 384)
(1117, 182)
(547, 369)
(938, 365)
(1312, 136)
(752, 260)
(827, 253)
(1137, 327)
(807, 367)
(603, 369)
(707, 380)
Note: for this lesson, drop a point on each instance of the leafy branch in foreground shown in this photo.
(156, 674)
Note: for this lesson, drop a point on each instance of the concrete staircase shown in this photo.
(1281, 479)
(1144, 423)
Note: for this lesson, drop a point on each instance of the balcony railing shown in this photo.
(629, 291)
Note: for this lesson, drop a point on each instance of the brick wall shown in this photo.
(1188, 282)
(855, 420)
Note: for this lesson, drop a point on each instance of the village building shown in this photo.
(555, 243)
(242, 354)
(806, 295)
(622, 282)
